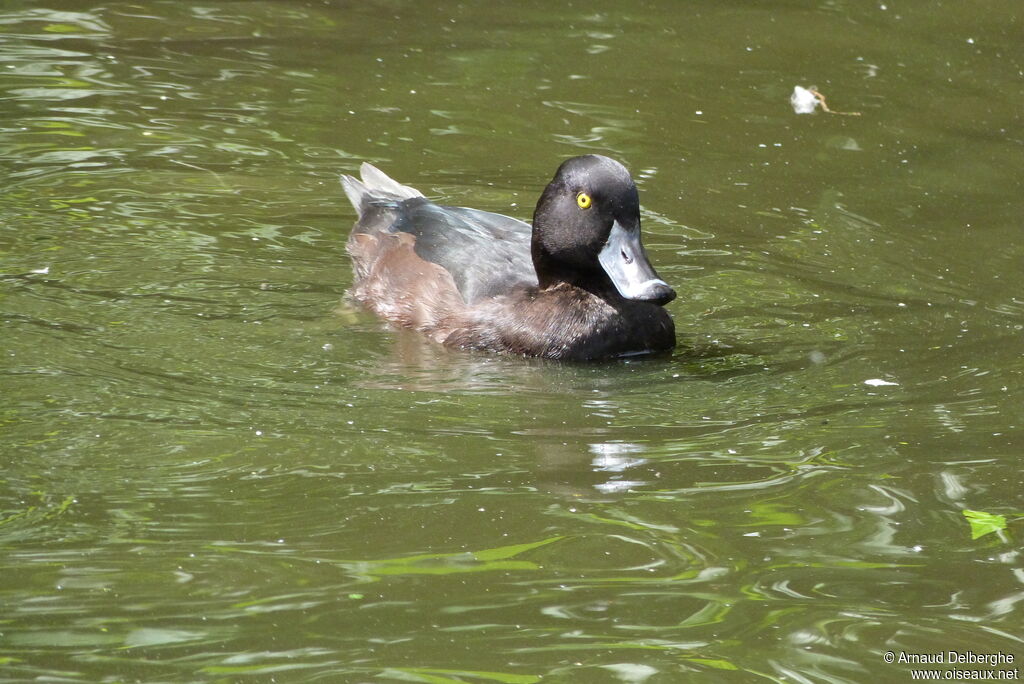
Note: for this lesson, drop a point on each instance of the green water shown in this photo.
(214, 469)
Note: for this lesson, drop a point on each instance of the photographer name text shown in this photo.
(950, 658)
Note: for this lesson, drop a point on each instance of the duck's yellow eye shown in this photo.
(583, 199)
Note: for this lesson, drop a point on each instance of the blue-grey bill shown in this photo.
(624, 260)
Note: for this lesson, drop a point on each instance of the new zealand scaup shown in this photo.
(576, 286)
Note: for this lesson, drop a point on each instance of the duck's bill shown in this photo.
(624, 260)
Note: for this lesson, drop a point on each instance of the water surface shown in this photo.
(215, 469)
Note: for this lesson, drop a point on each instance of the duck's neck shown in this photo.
(551, 274)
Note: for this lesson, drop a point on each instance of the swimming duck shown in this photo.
(577, 285)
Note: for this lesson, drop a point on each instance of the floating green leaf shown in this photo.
(983, 523)
(716, 663)
(447, 563)
(62, 28)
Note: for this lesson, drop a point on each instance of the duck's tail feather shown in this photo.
(374, 186)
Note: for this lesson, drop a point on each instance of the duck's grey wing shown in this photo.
(487, 254)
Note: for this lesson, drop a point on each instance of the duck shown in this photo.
(576, 285)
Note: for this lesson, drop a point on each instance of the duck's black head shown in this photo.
(586, 231)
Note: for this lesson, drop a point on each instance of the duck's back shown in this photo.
(486, 254)
(420, 264)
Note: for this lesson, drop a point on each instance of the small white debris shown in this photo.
(878, 382)
(618, 486)
(803, 100)
(41, 271)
